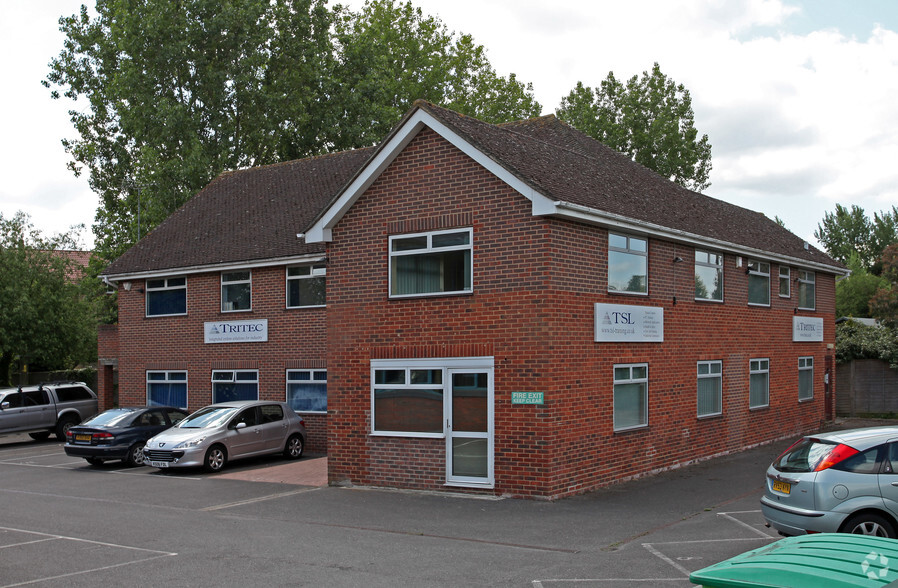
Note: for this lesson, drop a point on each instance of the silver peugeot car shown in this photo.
(222, 432)
(844, 481)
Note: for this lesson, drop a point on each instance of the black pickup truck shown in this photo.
(52, 407)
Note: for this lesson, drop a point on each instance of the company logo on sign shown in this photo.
(630, 324)
(236, 331)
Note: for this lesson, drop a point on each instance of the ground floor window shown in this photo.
(408, 401)
(307, 390)
(167, 388)
(709, 388)
(759, 383)
(231, 385)
(631, 390)
(805, 378)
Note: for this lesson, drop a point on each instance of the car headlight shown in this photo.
(190, 442)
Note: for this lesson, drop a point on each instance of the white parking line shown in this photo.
(257, 499)
(151, 555)
(728, 516)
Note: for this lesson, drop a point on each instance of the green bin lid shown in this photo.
(825, 560)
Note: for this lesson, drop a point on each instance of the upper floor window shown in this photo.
(785, 282)
(758, 282)
(305, 286)
(708, 276)
(807, 290)
(236, 291)
(628, 264)
(438, 262)
(166, 296)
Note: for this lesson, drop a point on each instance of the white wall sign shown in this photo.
(629, 324)
(806, 328)
(236, 331)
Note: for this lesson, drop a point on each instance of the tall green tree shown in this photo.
(884, 304)
(853, 293)
(177, 92)
(45, 318)
(649, 118)
(849, 231)
(390, 54)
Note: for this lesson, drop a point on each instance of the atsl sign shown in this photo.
(807, 328)
(623, 323)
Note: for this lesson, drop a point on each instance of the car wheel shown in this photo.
(41, 436)
(64, 425)
(294, 447)
(869, 524)
(135, 455)
(216, 458)
(94, 461)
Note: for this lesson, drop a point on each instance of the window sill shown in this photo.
(430, 295)
(622, 293)
(709, 417)
(759, 305)
(758, 408)
(711, 300)
(631, 429)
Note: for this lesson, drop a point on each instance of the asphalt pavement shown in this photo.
(273, 523)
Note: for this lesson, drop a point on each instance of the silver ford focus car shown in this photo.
(844, 481)
(222, 432)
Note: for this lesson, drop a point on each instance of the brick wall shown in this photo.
(536, 281)
(295, 341)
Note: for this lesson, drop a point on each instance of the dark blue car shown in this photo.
(120, 433)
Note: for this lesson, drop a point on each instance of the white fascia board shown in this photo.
(606, 219)
(217, 267)
(321, 230)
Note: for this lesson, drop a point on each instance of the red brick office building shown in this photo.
(512, 309)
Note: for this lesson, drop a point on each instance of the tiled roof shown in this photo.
(254, 215)
(244, 216)
(78, 262)
(565, 165)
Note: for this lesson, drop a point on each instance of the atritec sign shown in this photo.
(236, 331)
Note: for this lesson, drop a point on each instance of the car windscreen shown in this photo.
(804, 456)
(111, 418)
(209, 417)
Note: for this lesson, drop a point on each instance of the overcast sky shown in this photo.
(798, 97)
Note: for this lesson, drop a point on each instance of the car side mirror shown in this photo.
(4, 406)
(240, 425)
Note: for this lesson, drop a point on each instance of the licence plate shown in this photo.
(83, 438)
(783, 487)
(159, 464)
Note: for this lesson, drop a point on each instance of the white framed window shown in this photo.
(758, 383)
(631, 396)
(236, 291)
(710, 386)
(807, 285)
(434, 263)
(408, 401)
(785, 282)
(167, 388)
(628, 262)
(805, 378)
(231, 385)
(758, 283)
(708, 276)
(306, 286)
(166, 297)
(307, 390)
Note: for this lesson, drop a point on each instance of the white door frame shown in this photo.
(451, 479)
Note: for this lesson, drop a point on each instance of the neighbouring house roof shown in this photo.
(243, 217)
(79, 261)
(565, 173)
(870, 322)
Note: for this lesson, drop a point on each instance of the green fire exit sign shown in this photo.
(526, 397)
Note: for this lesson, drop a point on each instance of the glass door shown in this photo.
(469, 428)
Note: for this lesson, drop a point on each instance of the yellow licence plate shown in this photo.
(783, 487)
(83, 438)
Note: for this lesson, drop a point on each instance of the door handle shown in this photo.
(895, 484)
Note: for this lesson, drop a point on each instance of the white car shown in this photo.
(222, 432)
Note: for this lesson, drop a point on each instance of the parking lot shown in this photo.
(64, 523)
